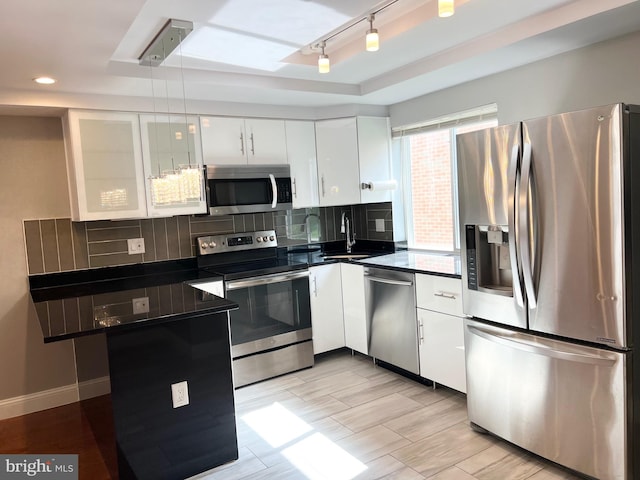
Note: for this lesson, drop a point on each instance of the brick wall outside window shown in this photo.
(431, 190)
(432, 186)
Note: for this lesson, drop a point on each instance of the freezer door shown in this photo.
(573, 256)
(488, 174)
(562, 401)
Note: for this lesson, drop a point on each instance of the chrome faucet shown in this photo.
(345, 228)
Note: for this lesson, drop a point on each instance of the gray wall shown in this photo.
(604, 73)
(32, 184)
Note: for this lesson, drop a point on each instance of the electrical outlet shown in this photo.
(180, 394)
(379, 224)
(140, 305)
(136, 245)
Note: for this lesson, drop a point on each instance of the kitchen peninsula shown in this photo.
(161, 332)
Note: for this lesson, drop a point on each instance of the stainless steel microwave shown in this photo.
(248, 188)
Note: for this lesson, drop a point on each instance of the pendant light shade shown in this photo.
(324, 65)
(446, 8)
(372, 39)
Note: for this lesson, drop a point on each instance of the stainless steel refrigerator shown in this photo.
(550, 245)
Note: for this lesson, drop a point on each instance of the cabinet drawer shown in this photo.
(441, 294)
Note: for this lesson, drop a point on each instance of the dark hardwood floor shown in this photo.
(84, 428)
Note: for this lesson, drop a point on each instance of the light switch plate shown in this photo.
(180, 394)
(135, 245)
(379, 224)
(140, 305)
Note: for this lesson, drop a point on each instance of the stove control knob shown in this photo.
(213, 245)
(265, 239)
(271, 237)
(204, 245)
(259, 239)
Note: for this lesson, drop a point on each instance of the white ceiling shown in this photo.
(260, 48)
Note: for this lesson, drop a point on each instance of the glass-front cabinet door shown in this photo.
(104, 165)
(173, 168)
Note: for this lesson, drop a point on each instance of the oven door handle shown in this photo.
(265, 279)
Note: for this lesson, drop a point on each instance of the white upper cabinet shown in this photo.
(223, 141)
(238, 141)
(301, 153)
(104, 165)
(172, 155)
(266, 141)
(338, 170)
(374, 154)
(353, 151)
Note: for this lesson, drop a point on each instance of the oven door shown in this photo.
(274, 311)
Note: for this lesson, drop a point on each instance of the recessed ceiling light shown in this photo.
(44, 80)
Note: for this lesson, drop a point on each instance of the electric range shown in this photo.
(271, 331)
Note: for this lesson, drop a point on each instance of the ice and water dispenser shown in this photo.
(488, 261)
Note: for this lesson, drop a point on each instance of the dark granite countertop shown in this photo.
(447, 265)
(72, 304)
(415, 261)
(87, 302)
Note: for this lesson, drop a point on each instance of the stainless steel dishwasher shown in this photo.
(391, 317)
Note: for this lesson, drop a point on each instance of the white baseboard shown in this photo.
(34, 402)
(94, 388)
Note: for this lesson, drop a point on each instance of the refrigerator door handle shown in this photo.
(525, 228)
(512, 177)
(541, 349)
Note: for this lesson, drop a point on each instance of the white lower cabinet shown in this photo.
(440, 330)
(327, 319)
(441, 349)
(356, 331)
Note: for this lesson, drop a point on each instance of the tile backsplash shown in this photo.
(56, 245)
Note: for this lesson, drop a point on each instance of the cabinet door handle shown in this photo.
(421, 328)
(253, 150)
(315, 286)
(322, 179)
(241, 143)
(450, 296)
(295, 189)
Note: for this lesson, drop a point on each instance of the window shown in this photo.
(430, 180)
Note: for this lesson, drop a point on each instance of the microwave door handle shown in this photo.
(274, 188)
(512, 178)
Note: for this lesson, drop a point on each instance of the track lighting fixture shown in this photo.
(446, 8)
(324, 65)
(372, 39)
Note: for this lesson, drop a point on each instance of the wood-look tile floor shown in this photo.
(347, 418)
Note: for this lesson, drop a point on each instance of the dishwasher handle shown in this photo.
(389, 281)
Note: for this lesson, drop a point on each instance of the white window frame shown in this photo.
(450, 122)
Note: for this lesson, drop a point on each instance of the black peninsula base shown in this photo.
(155, 440)
(160, 331)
